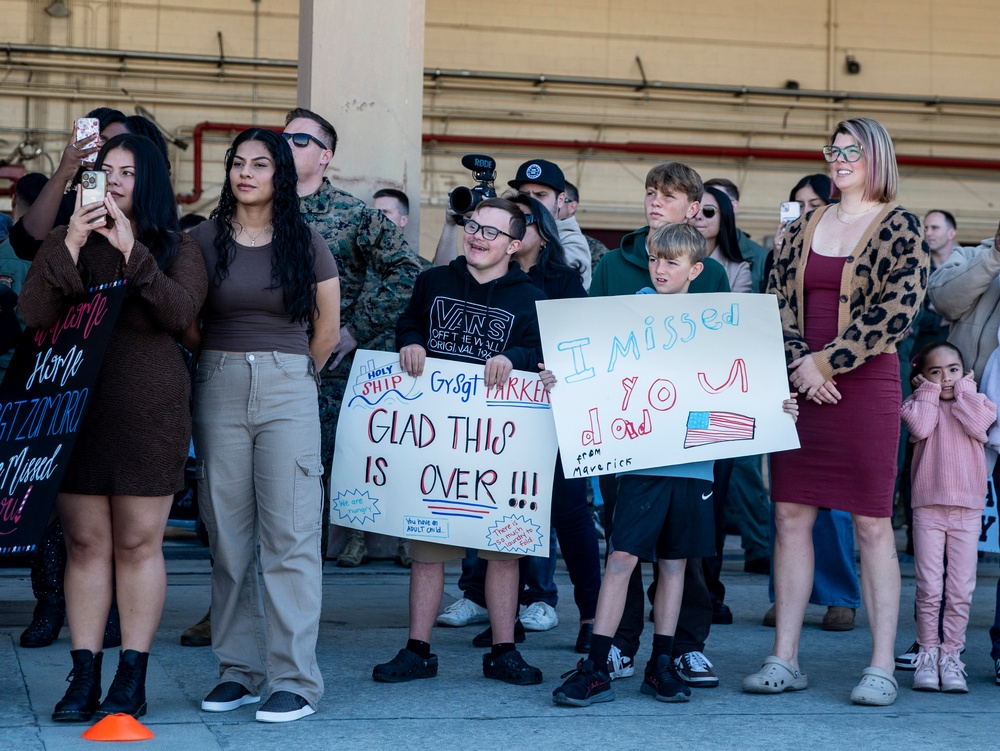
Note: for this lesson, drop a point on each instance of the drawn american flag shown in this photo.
(717, 427)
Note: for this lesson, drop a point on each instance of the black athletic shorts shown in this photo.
(664, 517)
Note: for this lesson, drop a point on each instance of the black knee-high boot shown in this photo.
(48, 566)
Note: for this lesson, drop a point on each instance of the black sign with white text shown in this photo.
(43, 399)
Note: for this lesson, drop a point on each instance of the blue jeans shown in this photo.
(572, 522)
(835, 577)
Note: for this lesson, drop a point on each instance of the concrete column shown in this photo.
(361, 67)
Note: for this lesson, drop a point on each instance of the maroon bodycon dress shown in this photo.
(847, 459)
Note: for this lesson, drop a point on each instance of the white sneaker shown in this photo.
(539, 616)
(462, 613)
(619, 665)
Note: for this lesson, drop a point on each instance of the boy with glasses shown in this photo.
(445, 318)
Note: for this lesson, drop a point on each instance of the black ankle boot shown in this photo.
(84, 692)
(127, 694)
(48, 566)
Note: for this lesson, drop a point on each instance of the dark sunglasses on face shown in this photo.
(709, 211)
(302, 140)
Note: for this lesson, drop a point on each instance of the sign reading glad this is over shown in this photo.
(442, 458)
(656, 380)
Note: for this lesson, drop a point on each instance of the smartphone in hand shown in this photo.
(789, 211)
(95, 187)
(88, 127)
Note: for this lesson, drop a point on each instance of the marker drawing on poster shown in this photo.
(43, 399)
(656, 380)
(443, 458)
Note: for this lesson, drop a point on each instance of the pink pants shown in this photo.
(939, 531)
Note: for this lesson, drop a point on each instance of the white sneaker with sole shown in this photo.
(619, 665)
(463, 613)
(284, 706)
(539, 616)
(696, 670)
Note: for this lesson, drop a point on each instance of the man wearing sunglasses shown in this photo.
(479, 309)
(377, 271)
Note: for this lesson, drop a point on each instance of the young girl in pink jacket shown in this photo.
(947, 420)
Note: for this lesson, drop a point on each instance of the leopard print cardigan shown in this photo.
(881, 290)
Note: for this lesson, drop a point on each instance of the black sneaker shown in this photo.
(584, 686)
(721, 614)
(406, 666)
(662, 681)
(908, 660)
(485, 639)
(227, 696)
(284, 706)
(510, 667)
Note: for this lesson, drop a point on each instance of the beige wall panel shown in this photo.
(370, 92)
(921, 47)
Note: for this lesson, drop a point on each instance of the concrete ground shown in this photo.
(364, 622)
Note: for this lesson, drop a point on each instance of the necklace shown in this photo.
(853, 213)
(253, 238)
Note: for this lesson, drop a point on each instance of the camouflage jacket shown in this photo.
(377, 267)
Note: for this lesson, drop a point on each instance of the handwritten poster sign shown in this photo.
(443, 458)
(43, 398)
(989, 537)
(655, 380)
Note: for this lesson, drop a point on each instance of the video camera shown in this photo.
(484, 171)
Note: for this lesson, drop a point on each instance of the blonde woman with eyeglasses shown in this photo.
(849, 279)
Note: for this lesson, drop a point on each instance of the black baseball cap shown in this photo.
(541, 172)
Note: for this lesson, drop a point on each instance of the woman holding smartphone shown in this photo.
(256, 423)
(53, 207)
(132, 444)
(849, 280)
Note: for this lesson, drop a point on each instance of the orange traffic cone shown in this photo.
(118, 727)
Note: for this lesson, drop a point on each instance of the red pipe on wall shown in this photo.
(676, 149)
(632, 147)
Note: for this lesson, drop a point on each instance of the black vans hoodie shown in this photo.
(454, 317)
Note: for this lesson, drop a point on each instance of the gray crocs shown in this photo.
(774, 677)
(877, 688)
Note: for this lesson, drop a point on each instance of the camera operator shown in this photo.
(544, 181)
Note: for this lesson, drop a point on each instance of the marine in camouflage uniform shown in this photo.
(377, 271)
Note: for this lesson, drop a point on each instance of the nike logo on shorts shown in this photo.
(705, 497)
